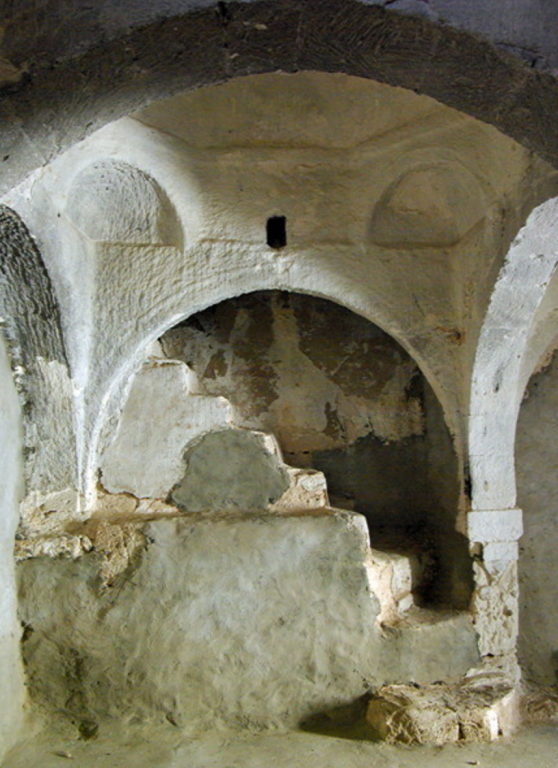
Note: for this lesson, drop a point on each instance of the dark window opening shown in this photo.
(277, 231)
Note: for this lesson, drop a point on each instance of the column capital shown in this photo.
(490, 525)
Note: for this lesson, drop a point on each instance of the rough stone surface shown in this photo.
(48, 514)
(426, 646)
(395, 576)
(495, 607)
(443, 714)
(307, 490)
(160, 417)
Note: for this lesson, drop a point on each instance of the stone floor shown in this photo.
(532, 747)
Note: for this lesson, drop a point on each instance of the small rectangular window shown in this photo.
(277, 231)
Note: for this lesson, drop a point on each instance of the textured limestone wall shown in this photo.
(536, 463)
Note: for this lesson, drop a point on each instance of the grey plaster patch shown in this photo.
(228, 470)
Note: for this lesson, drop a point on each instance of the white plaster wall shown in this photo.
(11, 490)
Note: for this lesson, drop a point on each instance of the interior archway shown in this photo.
(344, 398)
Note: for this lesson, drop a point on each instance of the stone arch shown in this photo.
(209, 295)
(506, 341)
(498, 380)
(455, 67)
(534, 473)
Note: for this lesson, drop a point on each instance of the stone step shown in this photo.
(443, 714)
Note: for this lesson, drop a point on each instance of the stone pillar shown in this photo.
(493, 536)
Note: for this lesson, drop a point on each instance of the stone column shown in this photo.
(493, 536)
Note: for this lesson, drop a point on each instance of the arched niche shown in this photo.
(212, 292)
(339, 395)
(111, 201)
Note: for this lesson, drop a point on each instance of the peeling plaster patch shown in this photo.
(315, 374)
(160, 417)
